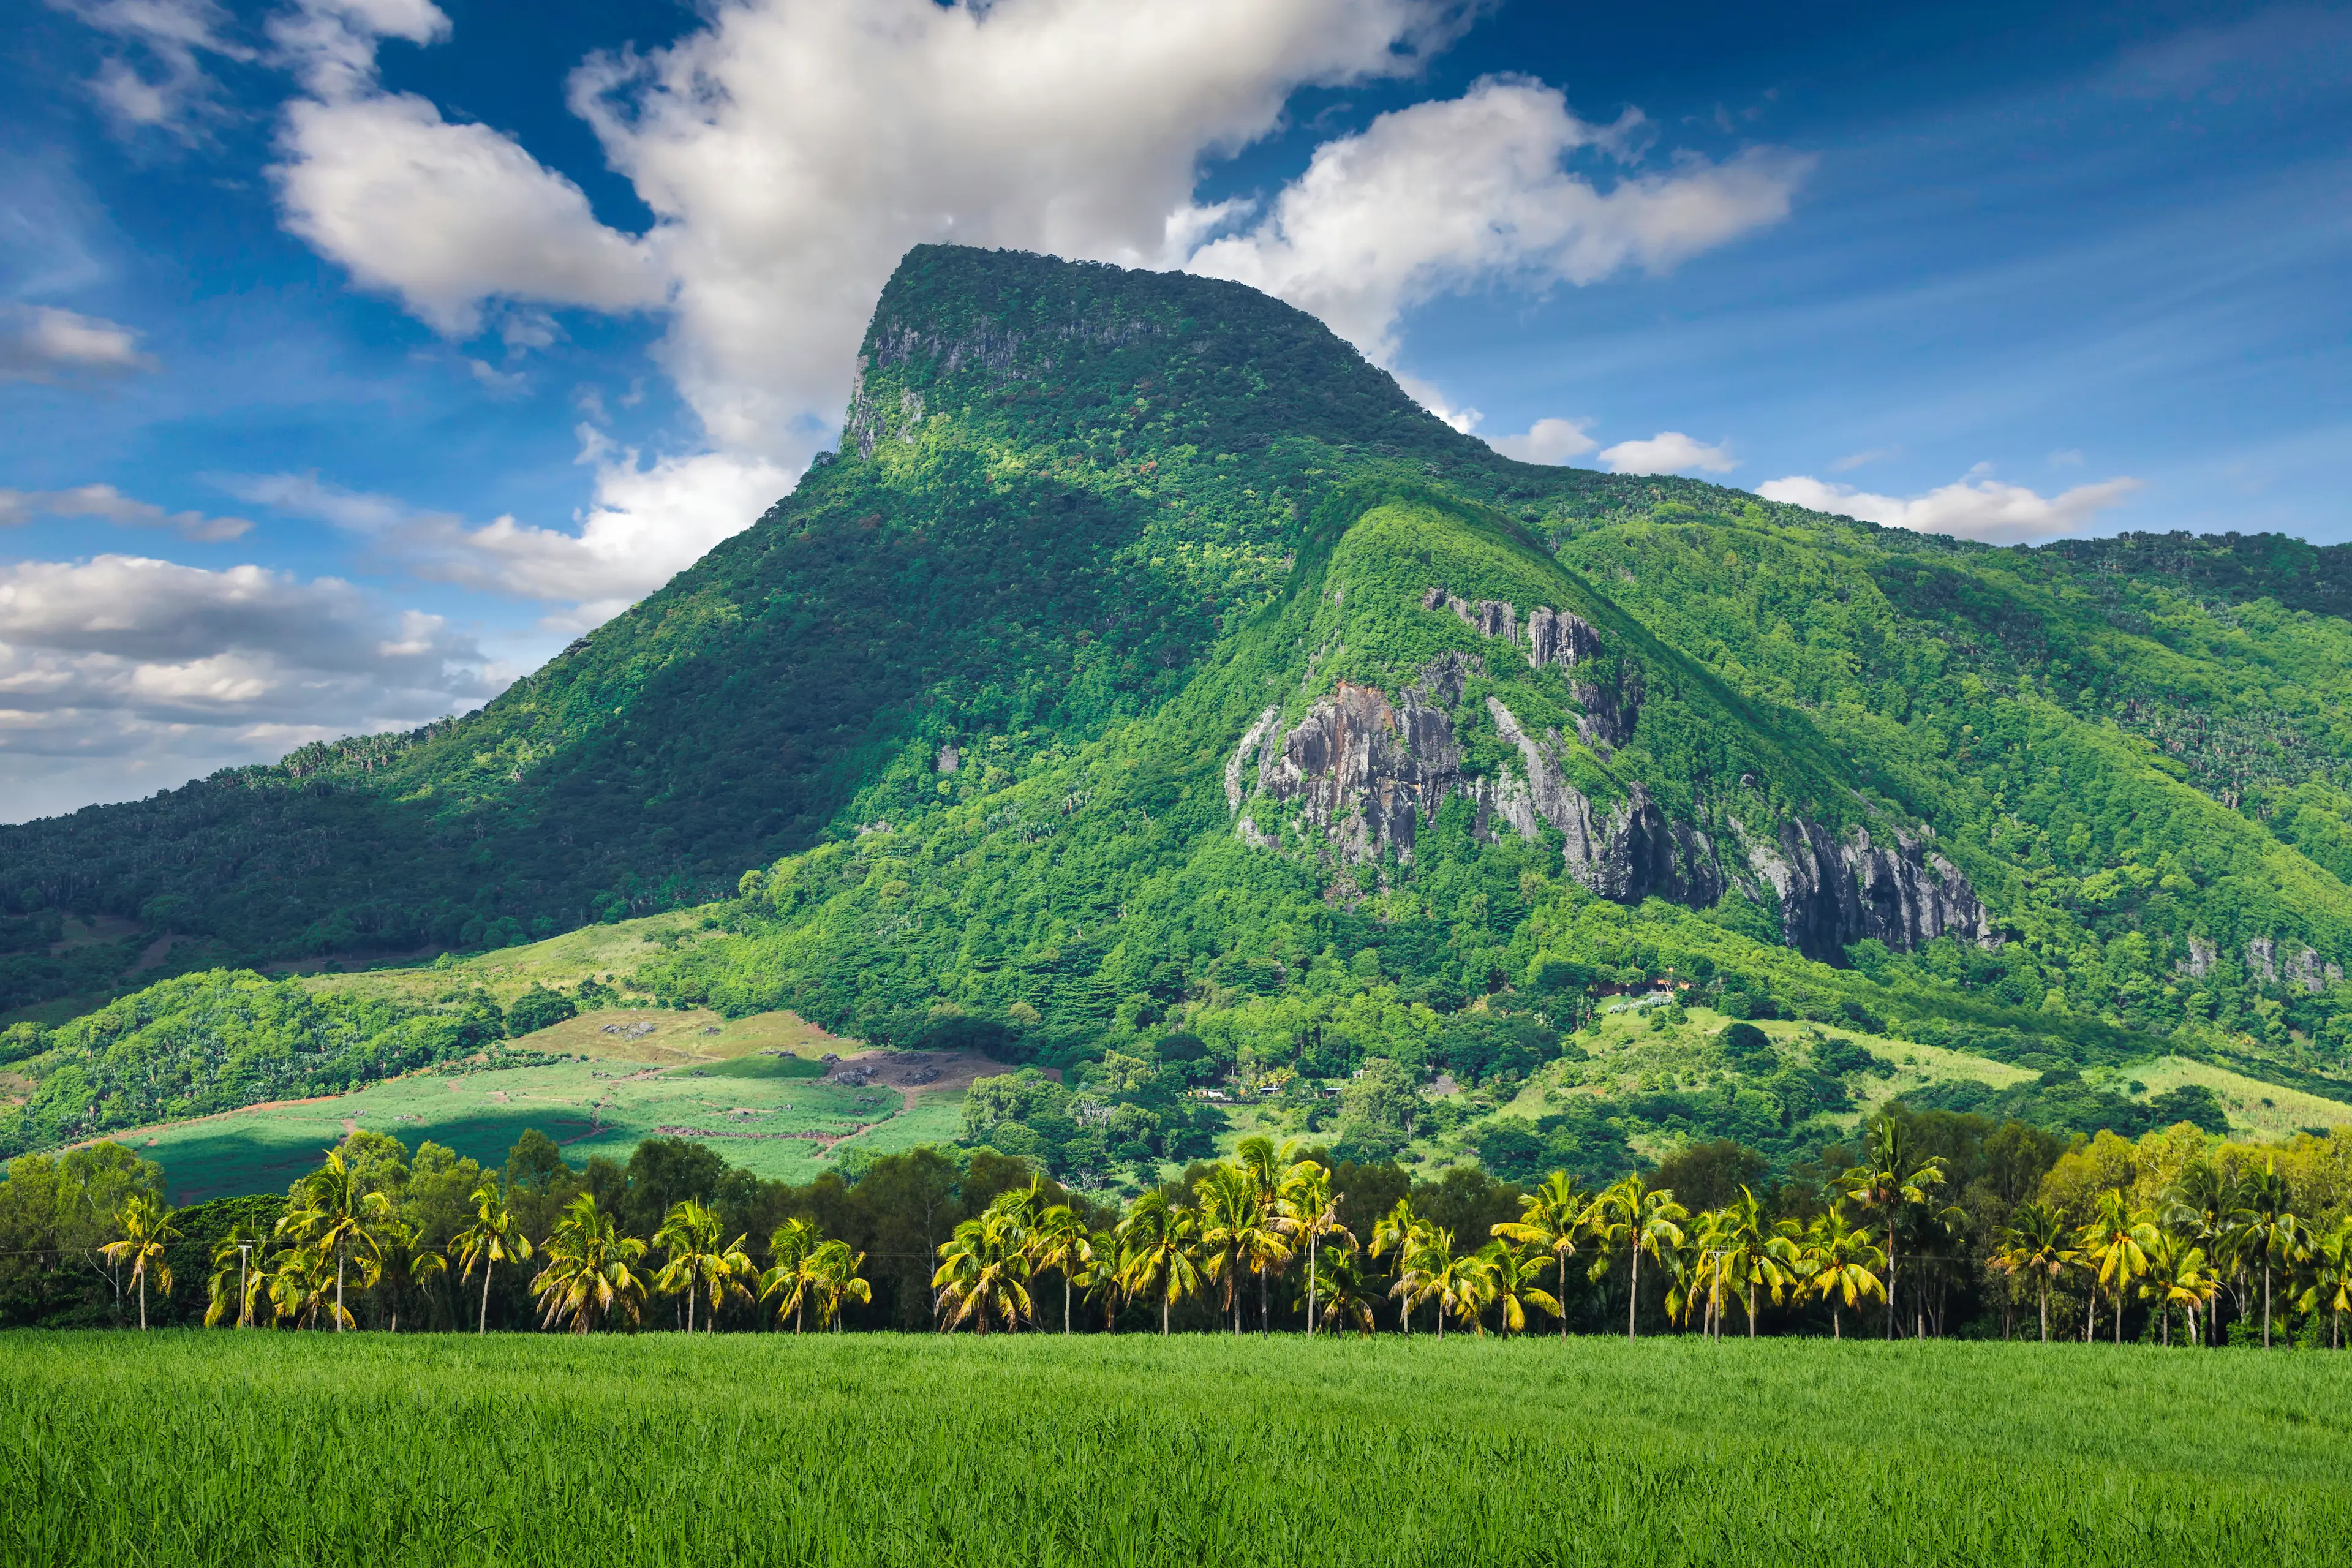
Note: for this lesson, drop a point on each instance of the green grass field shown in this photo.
(203, 1448)
(695, 1072)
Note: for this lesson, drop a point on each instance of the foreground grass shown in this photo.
(253, 1449)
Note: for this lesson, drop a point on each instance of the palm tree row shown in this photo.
(1267, 1216)
(2210, 1234)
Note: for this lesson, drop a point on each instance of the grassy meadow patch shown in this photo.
(241, 1448)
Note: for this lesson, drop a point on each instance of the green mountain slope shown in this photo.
(1146, 662)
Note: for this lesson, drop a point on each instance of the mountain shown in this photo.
(1147, 662)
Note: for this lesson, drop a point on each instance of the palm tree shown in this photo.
(789, 1245)
(697, 1260)
(2331, 1286)
(232, 1255)
(1348, 1298)
(1511, 1283)
(332, 1213)
(1838, 1263)
(1308, 1209)
(1892, 1179)
(1399, 1231)
(2270, 1229)
(1061, 1243)
(300, 1289)
(1641, 1219)
(493, 1238)
(591, 1270)
(834, 1275)
(2035, 1243)
(984, 1270)
(2204, 1207)
(1757, 1253)
(1236, 1232)
(147, 1228)
(2116, 1244)
(402, 1265)
(2177, 1276)
(1552, 1217)
(1156, 1252)
(1433, 1271)
(1266, 1170)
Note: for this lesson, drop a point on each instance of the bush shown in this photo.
(536, 1009)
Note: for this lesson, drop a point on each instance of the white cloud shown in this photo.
(442, 216)
(1974, 507)
(106, 503)
(1547, 441)
(792, 150)
(1667, 452)
(178, 94)
(795, 148)
(648, 521)
(41, 342)
(122, 673)
(1442, 196)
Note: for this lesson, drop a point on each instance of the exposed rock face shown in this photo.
(1364, 773)
(2300, 967)
(1637, 854)
(1834, 893)
(1555, 637)
(1359, 769)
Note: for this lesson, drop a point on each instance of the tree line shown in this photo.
(2178, 1238)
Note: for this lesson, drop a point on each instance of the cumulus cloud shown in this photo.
(648, 521)
(1444, 194)
(444, 215)
(1976, 506)
(176, 94)
(1076, 127)
(41, 342)
(121, 672)
(1547, 441)
(1071, 126)
(1667, 452)
(110, 505)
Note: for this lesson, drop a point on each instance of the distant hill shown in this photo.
(1146, 661)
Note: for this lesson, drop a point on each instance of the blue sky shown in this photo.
(356, 354)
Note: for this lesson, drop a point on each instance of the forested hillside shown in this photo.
(1146, 667)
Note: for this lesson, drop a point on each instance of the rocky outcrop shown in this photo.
(1362, 772)
(1636, 853)
(1555, 637)
(1611, 707)
(1835, 891)
(2301, 967)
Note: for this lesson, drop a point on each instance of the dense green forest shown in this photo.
(1150, 692)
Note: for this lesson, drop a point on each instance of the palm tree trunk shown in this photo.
(2266, 1303)
(1167, 1300)
(1065, 1303)
(1893, 1267)
(338, 1287)
(2091, 1323)
(1264, 1306)
(1310, 1285)
(1837, 1327)
(484, 1326)
(1633, 1293)
(1752, 1311)
(2045, 1311)
(143, 1301)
